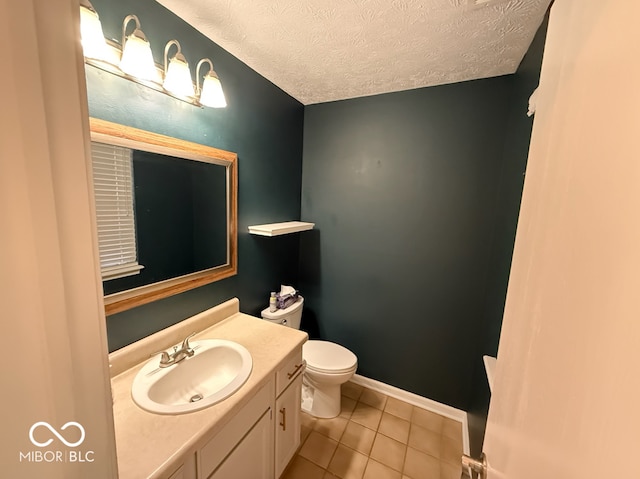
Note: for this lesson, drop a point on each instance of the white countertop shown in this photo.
(153, 446)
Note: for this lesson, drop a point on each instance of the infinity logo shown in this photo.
(55, 433)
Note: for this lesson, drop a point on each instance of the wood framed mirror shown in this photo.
(181, 203)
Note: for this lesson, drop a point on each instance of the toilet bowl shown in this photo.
(329, 365)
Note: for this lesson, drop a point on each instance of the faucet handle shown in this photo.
(185, 343)
(164, 359)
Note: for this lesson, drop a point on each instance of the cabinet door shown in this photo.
(179, 474)
(253, 456)
(288, 424)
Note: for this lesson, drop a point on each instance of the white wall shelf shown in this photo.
(276, 229)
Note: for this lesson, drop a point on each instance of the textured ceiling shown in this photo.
(325, 50)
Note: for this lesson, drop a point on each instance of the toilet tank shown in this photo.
(290, 316)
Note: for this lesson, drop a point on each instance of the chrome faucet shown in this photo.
(185, 351)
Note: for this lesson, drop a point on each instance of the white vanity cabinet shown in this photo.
(241, 437)
(181, 474)
(287, 410)
(244, 446)
(253, 456)
(288, 424)
(260, 440)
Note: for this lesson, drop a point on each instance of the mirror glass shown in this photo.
(183, 201)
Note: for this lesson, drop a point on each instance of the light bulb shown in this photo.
(212, 94)
(93, 44)
(177, 76)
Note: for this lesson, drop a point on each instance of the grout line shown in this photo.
(376, 431)
(406, 450)
(419, 401)
(332, 456)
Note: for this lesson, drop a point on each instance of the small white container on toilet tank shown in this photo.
(329, 365)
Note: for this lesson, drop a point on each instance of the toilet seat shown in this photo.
(328, 358)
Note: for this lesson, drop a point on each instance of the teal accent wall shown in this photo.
(403, 189)
(415, 197)
(262, 124)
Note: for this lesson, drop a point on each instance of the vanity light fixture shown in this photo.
(177, 76)
(134, 61)
(211, 93)
(137, 59)
(93, 43)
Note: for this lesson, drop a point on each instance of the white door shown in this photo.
(54, 348)
(566, 396)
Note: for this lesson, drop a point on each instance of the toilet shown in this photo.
(329, 365)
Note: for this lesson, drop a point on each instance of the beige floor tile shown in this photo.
(318, 449)
(375, 470)
(307, 420)
(300, 468)
(424, 440)
(351, 390)
(451, 450)
(427, 419)
(450, 471)
(399, 408)
(419, 465)
(373, 398)
(389, 452)
(452, 429)
(377, 437)
(332, 428)
(304, 433)
(358, 437)
(347, 405)
(347, 463)
(394, 427)
(366, 415)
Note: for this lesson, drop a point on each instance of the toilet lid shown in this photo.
(327, 356)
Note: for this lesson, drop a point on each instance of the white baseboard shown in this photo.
(419, 401)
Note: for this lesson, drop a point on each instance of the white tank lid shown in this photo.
(327, 356)
(279, 314)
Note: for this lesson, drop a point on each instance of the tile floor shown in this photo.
(377, 437)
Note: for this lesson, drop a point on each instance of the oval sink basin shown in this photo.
(216, 370)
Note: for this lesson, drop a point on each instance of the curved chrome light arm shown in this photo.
(137, 32)
(200, 63)
(178, 56)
